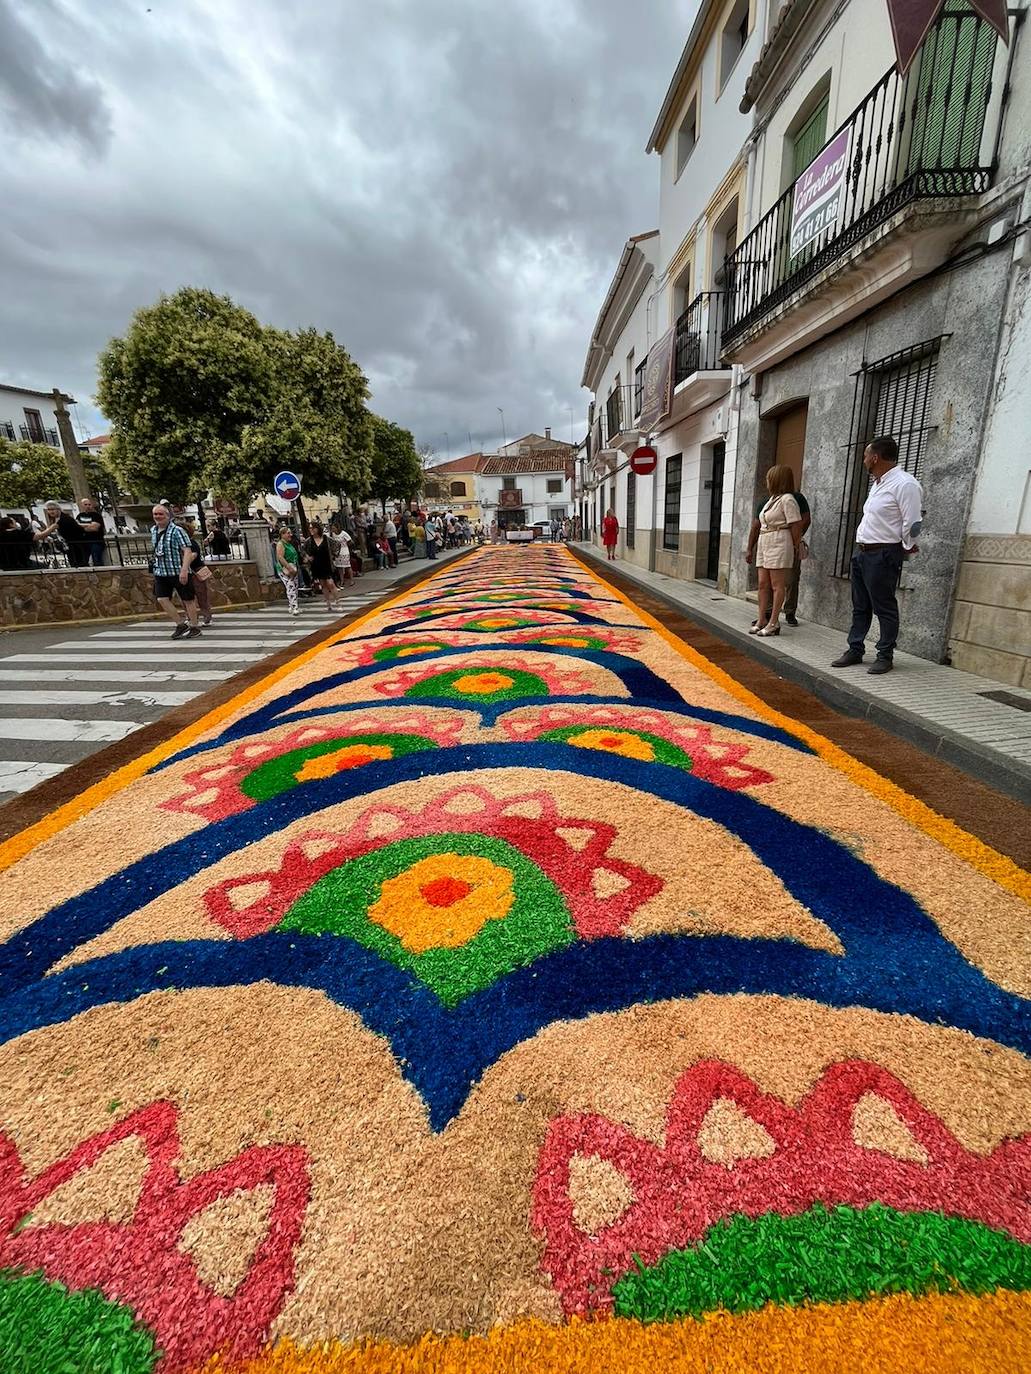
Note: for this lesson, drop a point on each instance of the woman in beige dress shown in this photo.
(780, 529)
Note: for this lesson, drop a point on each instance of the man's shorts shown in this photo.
(165, 586)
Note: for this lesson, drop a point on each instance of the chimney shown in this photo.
(547, 433)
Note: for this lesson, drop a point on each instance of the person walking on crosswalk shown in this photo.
(288, 566)
(171, 559)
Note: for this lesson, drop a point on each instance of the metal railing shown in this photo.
(911, 138)
(33, 435)
(120, 551)
(699, 338)
(6, 430)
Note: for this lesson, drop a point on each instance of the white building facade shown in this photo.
(527, 482)
(677, 519)
(29, 415)
(843, 252)
(900, 309)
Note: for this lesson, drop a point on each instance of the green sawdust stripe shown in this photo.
(824, 1255)
(46, 1329)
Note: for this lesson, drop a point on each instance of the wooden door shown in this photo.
(791, 439)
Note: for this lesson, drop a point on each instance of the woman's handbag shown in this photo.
(202, 574)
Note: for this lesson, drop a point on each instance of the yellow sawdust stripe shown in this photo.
(978, 1335)
(974, 851)
(26, 840)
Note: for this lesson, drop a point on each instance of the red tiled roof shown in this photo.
(542, 460)
(99, 441)
(472, 462)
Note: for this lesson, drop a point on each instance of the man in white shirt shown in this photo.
(885, 537)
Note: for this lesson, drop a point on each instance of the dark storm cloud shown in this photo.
(445, 184)
(40, 92)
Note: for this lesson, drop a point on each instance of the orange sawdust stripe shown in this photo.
(28, 839)
(973, 851)
(881, 1336)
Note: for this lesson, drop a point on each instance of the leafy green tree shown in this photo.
(396, 463)
(315, 422)
(190, 374)
(30, 473)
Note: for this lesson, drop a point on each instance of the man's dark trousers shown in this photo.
(791, 599)
(875, 576)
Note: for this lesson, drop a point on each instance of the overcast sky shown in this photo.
(444, 184)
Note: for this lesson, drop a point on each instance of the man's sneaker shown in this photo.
(880, 665)
(792, 621)
(847, 660)
(180, 630)
(193, 632)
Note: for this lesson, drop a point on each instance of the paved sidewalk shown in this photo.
(944, 711)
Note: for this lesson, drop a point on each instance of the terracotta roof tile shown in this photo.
(543, 460)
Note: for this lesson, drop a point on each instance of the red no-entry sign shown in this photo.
(643, 460)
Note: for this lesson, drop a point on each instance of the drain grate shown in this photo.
(1008, 699)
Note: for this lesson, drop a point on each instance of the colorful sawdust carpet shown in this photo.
(501, 986)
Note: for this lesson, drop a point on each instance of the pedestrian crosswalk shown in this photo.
(61, 701)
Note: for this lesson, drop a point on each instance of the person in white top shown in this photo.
(884, 539)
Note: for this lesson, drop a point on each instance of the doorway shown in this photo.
(790, 443)
(712, 557)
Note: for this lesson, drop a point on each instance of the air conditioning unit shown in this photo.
(719, 421)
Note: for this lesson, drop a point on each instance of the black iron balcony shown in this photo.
(36, 435)
(6, 430)
(614, 412)
(698, 340)
(915, 138)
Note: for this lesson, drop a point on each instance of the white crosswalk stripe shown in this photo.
(19, 777)
(94, 675)
(53, 727)
(62, 700)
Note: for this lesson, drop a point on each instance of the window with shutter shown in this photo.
(809, 139)
(893, 396)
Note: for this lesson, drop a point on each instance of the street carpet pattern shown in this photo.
(500, 986)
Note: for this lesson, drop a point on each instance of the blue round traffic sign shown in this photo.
(287, 485)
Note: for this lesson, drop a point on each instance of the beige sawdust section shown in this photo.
(222, 1239)
(728, 1133)
(107, 1191)
(600, 1194)
(713, 883)
(876, 1125)
(407, 1231)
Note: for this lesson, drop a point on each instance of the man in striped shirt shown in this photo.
(172, 559)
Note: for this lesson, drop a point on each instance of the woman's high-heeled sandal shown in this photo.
(768, 632)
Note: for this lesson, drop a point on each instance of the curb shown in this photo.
(986, 765)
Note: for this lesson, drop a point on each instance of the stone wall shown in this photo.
(991, 619)
(964, 306)
(77, 594)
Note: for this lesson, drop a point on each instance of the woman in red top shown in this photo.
(610, 533)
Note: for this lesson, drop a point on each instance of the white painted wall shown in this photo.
(722, 133)
(856, 50)
(537, 500)
(638, 334)
(14, 403)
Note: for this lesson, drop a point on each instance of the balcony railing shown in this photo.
(39, 436)
(6, 430)
(917, 137)
(699, 337)
(614, 412)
